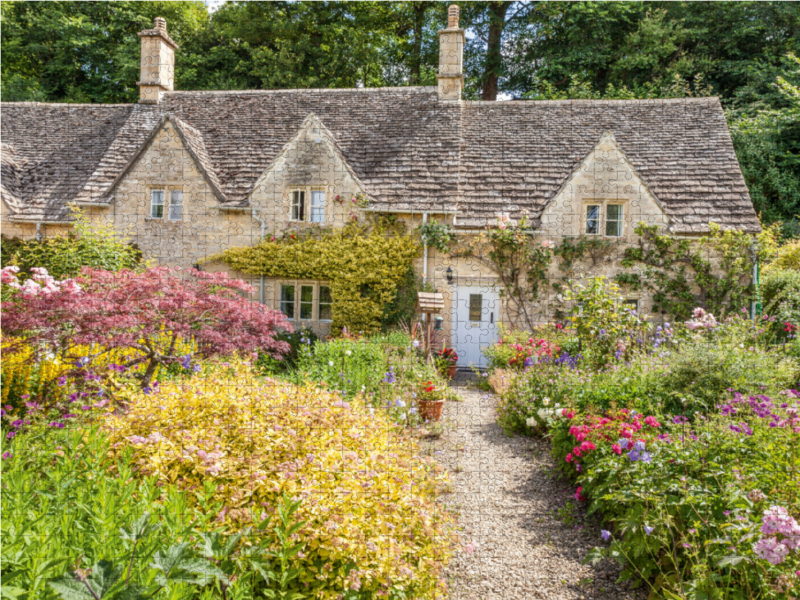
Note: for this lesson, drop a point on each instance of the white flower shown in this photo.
(348, 353)
(531, 422)
(330, 363)
(416, 343)
(546, 401)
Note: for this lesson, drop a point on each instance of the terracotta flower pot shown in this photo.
(451, 371)
(431, 410)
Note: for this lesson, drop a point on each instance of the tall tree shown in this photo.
(83, 51)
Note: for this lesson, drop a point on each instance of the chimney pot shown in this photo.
(451, 51)
(157, 65)
(452, 17)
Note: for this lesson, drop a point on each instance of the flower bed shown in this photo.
(685, 503)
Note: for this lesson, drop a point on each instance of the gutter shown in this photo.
(97, 204)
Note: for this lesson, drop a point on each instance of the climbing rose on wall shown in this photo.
(146, 313)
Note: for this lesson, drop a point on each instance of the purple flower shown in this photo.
(648, 530)
(633, 455)
(646, 457)
(623, 443)
(10, 435)
(2, 412)
(197, 368)
(639, 446)
(186, 362)
(17, 423)
(82, 362)
(62, 381)
(605, 534)
(56, 424)
(7, 455)
(602, 332)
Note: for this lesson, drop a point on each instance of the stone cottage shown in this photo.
(187, 174)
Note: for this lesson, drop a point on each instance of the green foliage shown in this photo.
(297, 340)
(440, 236)
(365, 268)
(403, 307)
(780, 292)
(87, 245)
(73, 519)
(603, 323)
(676, 372)
(681, 274)
(86, 51)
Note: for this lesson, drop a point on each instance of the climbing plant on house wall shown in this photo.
(714, 271)
(364, 265)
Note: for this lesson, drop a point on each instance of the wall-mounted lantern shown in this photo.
(449, 274)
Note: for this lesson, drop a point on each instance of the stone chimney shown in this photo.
(451, 53)
(158, 63)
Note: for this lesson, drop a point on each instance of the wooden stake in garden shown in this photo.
(429, 304)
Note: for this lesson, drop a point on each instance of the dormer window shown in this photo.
(159, 208)
(604, 218)
(298, 205)
(157, 204)
(317, 207)
(175, 205)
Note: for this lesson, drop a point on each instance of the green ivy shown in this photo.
(437, 235)
(365, 266)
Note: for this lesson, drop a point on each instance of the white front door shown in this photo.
(475, 314)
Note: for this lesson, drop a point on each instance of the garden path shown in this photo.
(507, 496)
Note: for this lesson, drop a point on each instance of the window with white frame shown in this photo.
(157, 204)
(317, 207)
(605, 219)
(614, 220)
(298, 205)
(593, 219)
(325, 303)
(306, 302)
(175, 205)
(287, 300)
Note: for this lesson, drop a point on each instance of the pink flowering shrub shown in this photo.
(784, 532)
(145, 313)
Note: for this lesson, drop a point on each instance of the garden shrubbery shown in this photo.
(144, 457)
(683, 438)
(367, 497)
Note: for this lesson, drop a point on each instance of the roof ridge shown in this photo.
(412, 88)
(597, 101)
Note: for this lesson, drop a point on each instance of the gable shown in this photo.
(311, 157)
(191, 141)
(605, 175)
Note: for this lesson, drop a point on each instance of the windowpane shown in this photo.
(325, 302)
(633, 304)
(614, 220)
(317, 207)
(298, 206)
(176, 205)
(287, 300)
(475, 307)
(593, 218)
(306, 301)
(157, 204)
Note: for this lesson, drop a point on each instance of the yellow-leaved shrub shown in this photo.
(367, 494)
(28, 372)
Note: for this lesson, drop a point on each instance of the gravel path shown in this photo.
(506, 495)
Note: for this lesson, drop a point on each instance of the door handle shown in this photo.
(491, 318)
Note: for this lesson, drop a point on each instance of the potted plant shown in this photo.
(430, 402)
(446, 361)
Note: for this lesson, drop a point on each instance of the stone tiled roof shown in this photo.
(517, 155)
(408, 149)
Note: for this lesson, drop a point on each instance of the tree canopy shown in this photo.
(740, 51)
